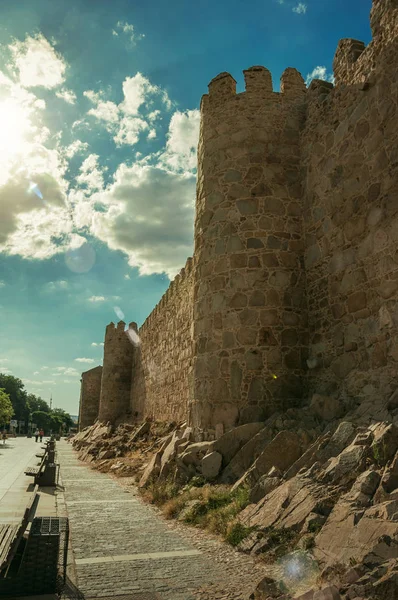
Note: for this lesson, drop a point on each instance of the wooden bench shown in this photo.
(11, 533)
(8, 536)
(36, 471)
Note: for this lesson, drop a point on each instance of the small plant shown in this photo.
(309, 543)
(236, 533)
(197, 481)
(314, 527)
(160, 491)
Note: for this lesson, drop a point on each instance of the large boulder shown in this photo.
(264, 486)
(385, 442)
(170, 452)
(281, 452)
(245, 457)
(352, 534)
(193, 453)
(211, 465)
(232, 441)
(152, 470)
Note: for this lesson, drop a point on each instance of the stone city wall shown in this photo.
(116, 373)
(294, 285)
(350, 161)
(90, 392)
(162, 362)
(250, 317)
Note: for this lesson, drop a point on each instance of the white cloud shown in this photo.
(127, 276)
(96, 299)
(67, 371)
(54, 286)
(36, 373)
(85, 360)
(182, 141)
(129, 31)
(300, 9)
(75, 148)
(44, 368)
(37, 63)
(4, 360)
(319, 72)
(67, 95)
(2, 284)
(104, 110)
(149, 216)
(129, 131)
(94, 344)
(91, 175)
(127, 120)
(35, 382)
(5, 370)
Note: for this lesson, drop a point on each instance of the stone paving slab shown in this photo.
(123, 547)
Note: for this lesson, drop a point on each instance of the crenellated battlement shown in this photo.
(258, 86)
(347, 53)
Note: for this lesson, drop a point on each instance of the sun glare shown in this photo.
(14, 127)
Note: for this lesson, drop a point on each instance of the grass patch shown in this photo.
(209, 507)
(160, 491)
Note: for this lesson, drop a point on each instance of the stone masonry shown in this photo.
(116, 373)
(293, 286)
(250, 310)
(161, 366)
(90, 392)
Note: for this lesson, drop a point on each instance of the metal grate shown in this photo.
(42, 560)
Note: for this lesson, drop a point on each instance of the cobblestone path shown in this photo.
(124, 548)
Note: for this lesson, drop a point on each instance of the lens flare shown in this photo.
(34, 189)
(80, 260)
(134, 337)
(297, 572)
(119, 312)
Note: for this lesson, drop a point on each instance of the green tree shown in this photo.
(60, 416)
(15, 389)
(42, 419)
(6, 409)
(35, 403)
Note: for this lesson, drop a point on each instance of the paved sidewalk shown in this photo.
(123, 547)
(15, 487)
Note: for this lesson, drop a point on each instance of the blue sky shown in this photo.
(98, 132)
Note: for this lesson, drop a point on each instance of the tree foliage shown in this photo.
(6, 409)
(31, 408)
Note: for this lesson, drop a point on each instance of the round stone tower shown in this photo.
(116, 373)
(249, 298)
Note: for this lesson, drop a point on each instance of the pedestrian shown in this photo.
(36, 434)
(41, 434)
(4, 436)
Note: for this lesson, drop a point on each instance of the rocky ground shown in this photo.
(322, 493)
